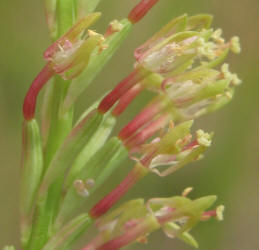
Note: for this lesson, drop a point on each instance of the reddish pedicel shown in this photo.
(109, 200)
(141, 10)
(126, 99)
(126, 84)
(30, 100)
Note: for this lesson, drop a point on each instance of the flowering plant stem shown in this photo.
(59, 127)
(65, 162)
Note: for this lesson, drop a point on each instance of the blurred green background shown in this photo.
(230, 168)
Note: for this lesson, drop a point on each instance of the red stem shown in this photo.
(30, 100)
(126, 99)
(109, 200)
(141, 10)
(127, 83)
(142, 118)
(147, 132)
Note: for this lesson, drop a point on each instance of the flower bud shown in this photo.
(175, 148)
(70, 54)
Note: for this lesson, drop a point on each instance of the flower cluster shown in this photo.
(135, 220)
(181, 65)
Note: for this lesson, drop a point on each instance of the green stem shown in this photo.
(60, 125)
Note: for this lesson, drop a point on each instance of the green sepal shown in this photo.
(69, 233)
(71, 147)
(212, 90)
(101, 165)
(174, 26)
(134, 209)
(199, 22)
(216, 62)
(197, 75)
(171, 230)
(221, 102)
(168, 144)
(184, 207)
(96, 64)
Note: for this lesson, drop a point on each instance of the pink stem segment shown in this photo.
(109, 200)
(126, 99)
(30, 100)
(126, 84)
(142, 118)
(141, 10)
(147, 132)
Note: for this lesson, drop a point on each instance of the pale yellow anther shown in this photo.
(116, 26)
(217, 36)
(219, 212)
(206, 49)
(235, 45)
(228, 95)
(204, 139)
(187, 191)
(233, 78)
(92, 33)
(171, 124)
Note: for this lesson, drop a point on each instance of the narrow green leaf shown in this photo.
(71, 147)
(93, 145)
(171, 229)
(98, 169)
(65, 15)
(32, 164)
(32, 168)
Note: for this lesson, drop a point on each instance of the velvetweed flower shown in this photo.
(68, 57)
(180, 59)
(135, 220)
(180, 65)
(172, 150)
(70, 54)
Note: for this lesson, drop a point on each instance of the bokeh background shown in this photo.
(230, 168)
